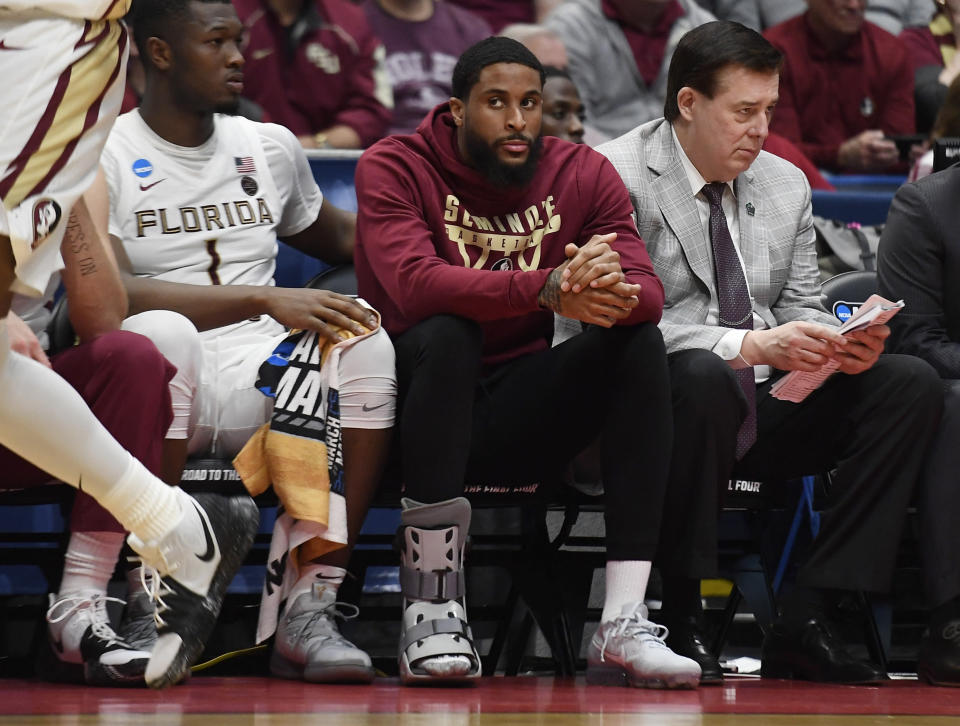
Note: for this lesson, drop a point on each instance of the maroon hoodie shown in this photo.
(434, 236)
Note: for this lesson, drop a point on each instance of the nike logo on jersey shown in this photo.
(374, 408)
(261, 53)
(144, 187)
(211, 549)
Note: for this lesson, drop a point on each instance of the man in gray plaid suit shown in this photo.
(729, 230)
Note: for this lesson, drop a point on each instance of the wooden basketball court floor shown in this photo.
(494, 701)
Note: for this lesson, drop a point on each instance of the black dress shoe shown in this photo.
(685, 639)
(811, 652)
(939, 661)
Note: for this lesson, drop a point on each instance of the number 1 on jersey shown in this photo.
(214, 261)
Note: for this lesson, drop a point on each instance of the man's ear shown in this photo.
(457, 108)
(686, 99)
(159, 53)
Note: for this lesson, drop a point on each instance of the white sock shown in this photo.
(626, 583)
(45, 421)
(90, 560)
(313, 572)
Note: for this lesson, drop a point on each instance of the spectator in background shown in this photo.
(619, 52)
(563, 113)
(785, 149)
(541, 41)
(933, 52)
(891, 15)
(423, 39)
(500, 13)
(315, 67)
(845, 85)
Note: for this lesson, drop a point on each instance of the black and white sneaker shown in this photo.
(84, 647)
(194, 564)
(138, 627)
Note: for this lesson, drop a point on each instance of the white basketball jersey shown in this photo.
(206, 222)
(81, 9)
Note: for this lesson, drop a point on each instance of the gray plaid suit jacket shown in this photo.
(776, 241)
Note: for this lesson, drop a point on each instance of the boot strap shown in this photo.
(435, 585)
(445, 626)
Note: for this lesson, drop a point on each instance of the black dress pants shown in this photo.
(526, 419)
(940, 505)
(874, 427)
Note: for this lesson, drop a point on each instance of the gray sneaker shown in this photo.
(137, 626)
(309, 647)
(630, 651)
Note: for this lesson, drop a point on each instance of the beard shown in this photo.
(229, 108)
(486, 161)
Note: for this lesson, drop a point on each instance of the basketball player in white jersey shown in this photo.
(197, 201)
(62, 62)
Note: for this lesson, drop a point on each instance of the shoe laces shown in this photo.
(95, 607)
(306, 620)
(634, 625)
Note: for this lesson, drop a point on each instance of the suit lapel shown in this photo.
(671, 189)
(754, 252)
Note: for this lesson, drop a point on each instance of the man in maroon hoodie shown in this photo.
(471, 234)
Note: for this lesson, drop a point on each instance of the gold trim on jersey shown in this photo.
(89, 78)
(117, 10)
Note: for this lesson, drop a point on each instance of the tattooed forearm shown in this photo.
(75, 242)
(549, 296)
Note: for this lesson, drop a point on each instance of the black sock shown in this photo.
(681, 598)
(803, 603)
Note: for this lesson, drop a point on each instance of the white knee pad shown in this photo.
(179, 342)
(368, 383)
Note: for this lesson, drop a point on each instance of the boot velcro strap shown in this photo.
(440, 626)
(432, 585)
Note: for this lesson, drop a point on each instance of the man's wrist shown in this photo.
(549, 295)
(749, 350)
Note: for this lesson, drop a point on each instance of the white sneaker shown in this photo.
(309, 646)
(85, 648)
(194, 564)
(630, 651)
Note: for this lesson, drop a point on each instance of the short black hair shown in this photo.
(160, 19)
(709, 48)
(495, 49)
(554, 72)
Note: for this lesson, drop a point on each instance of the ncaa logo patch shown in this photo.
(142, 168)
(843, 310)
(46, 217)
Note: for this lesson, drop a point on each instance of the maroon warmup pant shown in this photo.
(124, 380)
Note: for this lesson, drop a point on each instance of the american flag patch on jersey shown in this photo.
(244, 165)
